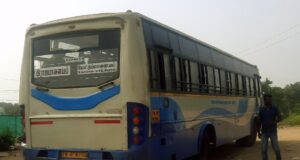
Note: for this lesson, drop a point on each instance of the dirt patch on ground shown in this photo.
(12, 155)
(289, 141)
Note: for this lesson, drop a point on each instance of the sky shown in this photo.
(265, 33)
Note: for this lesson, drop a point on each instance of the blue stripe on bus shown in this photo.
(243, 106)
(217, 112)
(80, 103)
(170, 111)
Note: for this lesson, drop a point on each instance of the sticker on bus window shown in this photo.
(94, 68)
(155, 115)
(52, 72)
(73, 59)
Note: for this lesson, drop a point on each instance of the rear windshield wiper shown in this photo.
(106, 85)
(76, 50)
(44, 89)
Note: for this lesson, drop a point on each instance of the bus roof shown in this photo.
(193, 38)
(127, 14)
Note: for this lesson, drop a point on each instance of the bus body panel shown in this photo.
(78, 133)
(65, 132)
(182, 115)
(77, 130)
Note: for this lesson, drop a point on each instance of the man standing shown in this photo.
(267, 127)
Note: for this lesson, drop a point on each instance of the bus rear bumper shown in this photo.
(55, 154)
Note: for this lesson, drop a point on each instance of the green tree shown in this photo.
(292, 94)
(266, 85)
(10, 108)
(279, 100)
(287, 99)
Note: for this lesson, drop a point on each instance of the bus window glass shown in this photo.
(161, 71)
(233, 84)
(247, 86)
(74, 43)
(173, 72)
(210, 73)
(203, 78)
(153, 70)
(168, 77)
(240, 85)
(76, 59)
(244, 85)
(217, 80)
(195, 76)
(254, 87)
(228, 83)
(259, 91)
(178, 73)
(250, 87)
(223, 81)
(187, 85)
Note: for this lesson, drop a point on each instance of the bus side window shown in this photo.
(178, 74)
(182, 75)
(173, 73)
(217, 80)
(223, 81)
(185, 65)
(233, 84)
(245, 85)
(259, 92)
(228, 83)
(258, 88)
(254, 87)
(250, 87)
(210, 74)
(167, 72)
(239, 84)
(194, 77)
(203, 78)
(154, 79)
(188, 75)
(161, 71)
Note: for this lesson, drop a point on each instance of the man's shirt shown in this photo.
(268, 118)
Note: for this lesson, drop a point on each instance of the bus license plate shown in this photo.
(76, 155)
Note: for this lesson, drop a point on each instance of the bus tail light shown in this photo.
(135, 130)
(136, 140)
(136, 110)
(136, 120)
(137, 123)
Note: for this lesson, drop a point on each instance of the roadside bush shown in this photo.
(6, 140)
(293, 119)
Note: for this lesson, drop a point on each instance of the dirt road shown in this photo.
(289, 141)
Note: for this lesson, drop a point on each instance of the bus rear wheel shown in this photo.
(205, 147)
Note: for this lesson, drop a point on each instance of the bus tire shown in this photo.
(249, 140)
(205, 146)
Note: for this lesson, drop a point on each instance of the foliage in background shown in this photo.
(287, 99)
(9, 108)
(13, 123)
(293, 119)
(6, 140)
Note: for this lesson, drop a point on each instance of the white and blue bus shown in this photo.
(121, 86)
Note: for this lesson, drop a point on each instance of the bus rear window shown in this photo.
(74, 43)
(76, 59)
